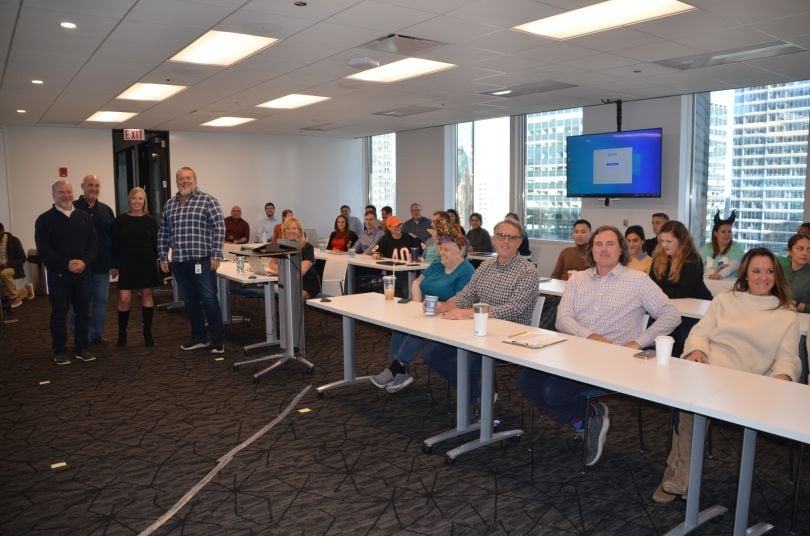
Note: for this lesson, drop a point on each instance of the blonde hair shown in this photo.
(131, 194)
(292, 221)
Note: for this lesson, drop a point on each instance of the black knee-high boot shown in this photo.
(123, 320)
(147, 325)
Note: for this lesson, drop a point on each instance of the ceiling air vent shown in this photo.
(755, 52)
(404, 45)
(407, 110)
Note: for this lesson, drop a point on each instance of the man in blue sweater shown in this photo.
(67, 244)
(103, 219)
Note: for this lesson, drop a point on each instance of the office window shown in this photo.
(482, 170)
(751, 155)
(382, 170)
(549, 214)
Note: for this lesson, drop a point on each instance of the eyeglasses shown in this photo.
(504, 236)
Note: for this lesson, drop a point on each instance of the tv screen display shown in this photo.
(615, 164)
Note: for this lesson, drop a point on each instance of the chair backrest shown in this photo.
(538, 310)
(334, 275)
(312, 236)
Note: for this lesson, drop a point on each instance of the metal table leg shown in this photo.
(694, 517)
(349, 377)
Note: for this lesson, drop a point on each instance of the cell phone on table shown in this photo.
(645, 354)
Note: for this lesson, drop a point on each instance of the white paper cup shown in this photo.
(663, 349)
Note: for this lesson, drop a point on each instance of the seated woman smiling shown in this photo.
(442, 279)
(752, 328)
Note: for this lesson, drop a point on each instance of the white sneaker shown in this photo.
(383, 378)
(400, 382)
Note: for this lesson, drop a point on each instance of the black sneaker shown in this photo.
(193, 345)
(84, 355)
(61, 359)
(100, 341)
(218, 349)
(598, 427)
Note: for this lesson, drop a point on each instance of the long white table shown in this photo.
(227, 272)
(755, 402)
(366, 261)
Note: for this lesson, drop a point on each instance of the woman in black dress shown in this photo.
(134, 255)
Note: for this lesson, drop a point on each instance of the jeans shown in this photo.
(405, 347)
(99, 294)
(199, 292)
(442, 359)
(562, 399)
(66, 290)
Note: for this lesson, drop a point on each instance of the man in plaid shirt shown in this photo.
(508, 283)
(193, 227)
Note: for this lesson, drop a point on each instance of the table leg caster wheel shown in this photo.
(310, 370)
(235, 368)
(427, 449)
(515, 439)
(450, 461)
(320, 396)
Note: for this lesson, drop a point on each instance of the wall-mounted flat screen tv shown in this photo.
(615, 164)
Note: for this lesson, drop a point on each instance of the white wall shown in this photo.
(313, 176)
(666, 113)
(34, 156)
(420, 171)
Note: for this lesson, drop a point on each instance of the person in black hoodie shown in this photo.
(67, 244)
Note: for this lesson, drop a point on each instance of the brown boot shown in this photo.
(679, 483)
(659, 495)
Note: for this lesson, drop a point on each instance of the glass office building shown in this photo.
(764, 159)
(550, 215)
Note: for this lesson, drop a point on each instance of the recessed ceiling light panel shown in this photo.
(110, 117)
(222, 48)
(228, 121)
(150, 92)
(292, 101)
(402, 70)
(68, 25)
(603, 16)
(37, 82)
(754, 52)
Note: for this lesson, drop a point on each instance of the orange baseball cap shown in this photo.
(392, 221)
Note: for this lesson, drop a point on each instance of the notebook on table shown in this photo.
(534, 340)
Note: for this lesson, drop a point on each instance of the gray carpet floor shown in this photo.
(140, 427)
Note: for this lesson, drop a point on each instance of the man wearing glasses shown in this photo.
(508, 283)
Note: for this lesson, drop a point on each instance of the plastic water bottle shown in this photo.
(240, 265)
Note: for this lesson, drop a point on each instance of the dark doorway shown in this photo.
(143, 163)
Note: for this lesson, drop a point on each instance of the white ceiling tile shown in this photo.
(431, 6)
(508, 41)
(450, 30)
(754, 11)
(786, 28)
(505, 15)
(385, 18)
(601, 62)
(660, 50)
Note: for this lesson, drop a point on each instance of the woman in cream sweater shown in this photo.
(753, 328)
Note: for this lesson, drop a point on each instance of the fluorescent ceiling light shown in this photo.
(222, 48)
(228, 121)
(37, 82)
(293, 100)
(21, 111)
(150, 92)
(501, 92)
(603, 16)
(402, 70)
(110, 117)
(68, 25)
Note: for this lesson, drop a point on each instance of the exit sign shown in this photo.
(134, 134)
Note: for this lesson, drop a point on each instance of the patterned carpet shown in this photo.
(140, 427)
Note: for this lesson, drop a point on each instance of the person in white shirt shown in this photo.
(753, 328)
(266, 226)
(354, 222)
(605, 303)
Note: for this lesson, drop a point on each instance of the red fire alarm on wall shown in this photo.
(63, 172)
